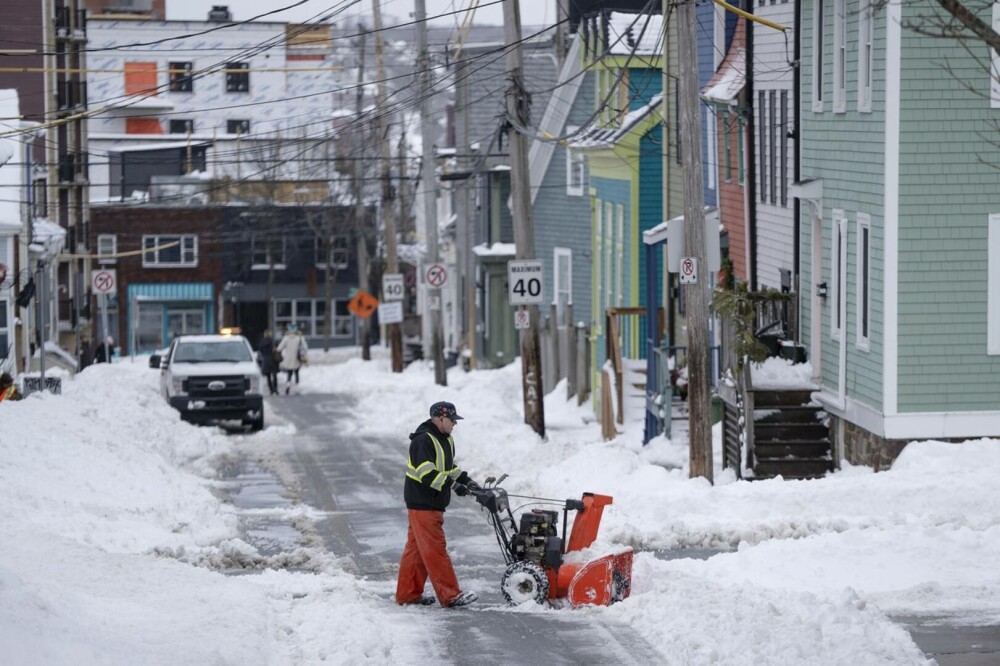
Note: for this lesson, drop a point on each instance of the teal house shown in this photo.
(900, 227)
(624, 151)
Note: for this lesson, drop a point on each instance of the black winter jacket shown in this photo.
(421, 495)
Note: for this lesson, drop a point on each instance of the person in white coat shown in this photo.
(293, 351)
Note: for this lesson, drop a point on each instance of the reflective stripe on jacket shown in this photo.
(441, 473)
(430, 469)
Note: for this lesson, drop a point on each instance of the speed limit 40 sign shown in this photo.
(524, 280)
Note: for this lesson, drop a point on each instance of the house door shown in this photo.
(816, 301)
(502, 342)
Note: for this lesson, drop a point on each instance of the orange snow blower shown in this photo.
(543, 566)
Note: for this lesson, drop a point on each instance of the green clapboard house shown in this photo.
(900, 226)
(624, 151)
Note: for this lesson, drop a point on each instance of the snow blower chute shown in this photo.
(541, 565)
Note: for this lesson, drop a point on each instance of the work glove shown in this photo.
(473, 486)
(461, 489)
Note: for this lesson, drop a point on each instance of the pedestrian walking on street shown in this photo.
(105, 350)
(291, 347)
(430, 474)
(268, 361)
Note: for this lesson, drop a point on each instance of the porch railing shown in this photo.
(626, 337)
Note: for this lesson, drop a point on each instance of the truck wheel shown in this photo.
(257, 424)
(524, 582)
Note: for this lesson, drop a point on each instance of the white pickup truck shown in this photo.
(212, 378)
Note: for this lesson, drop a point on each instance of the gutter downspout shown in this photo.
(797, 168)
(751, 157)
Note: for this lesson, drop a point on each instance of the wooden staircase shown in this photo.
(790, 437)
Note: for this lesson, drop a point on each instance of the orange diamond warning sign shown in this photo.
(363, 304)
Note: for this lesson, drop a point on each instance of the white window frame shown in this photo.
(993, 285)
(838, 274)
(256, 265)
(866, 55)
(107, 248)
(817, 60)
(598, 257)
(562, 279)
(863, 281)
(339, 251)
(576, 165)
(609, 267)
(711, 125)
(188, 250)
(620, 264)
(839, 56)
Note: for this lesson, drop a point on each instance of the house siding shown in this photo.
(949, 184)
(772, 76)
(650, 213)
(565, 221)
(847, 151)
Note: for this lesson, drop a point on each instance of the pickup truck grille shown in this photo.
(198, 387)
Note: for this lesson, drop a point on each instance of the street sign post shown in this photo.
(390, 313)
(522, 320)
(689, 270)
(392, 287)
(524, 280)
(104, 280)
(436, 276)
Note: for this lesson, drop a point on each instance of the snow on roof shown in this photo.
(156, 145)
(598, 135)
(640, 32)
(728, 81)
(495, 250)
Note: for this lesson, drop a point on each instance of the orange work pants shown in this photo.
(426, 554)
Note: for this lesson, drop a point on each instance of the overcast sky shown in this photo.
(533, 12)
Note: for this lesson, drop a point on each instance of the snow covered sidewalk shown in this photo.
(114, 540)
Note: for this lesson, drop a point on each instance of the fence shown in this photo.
(565, 351)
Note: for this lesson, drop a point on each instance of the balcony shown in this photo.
(73, 168)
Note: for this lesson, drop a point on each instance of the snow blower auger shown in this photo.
(541, 565)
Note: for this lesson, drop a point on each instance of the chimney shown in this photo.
(220, 14)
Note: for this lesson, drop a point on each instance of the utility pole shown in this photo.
(388, 224)
(359, 198)
(520, 196)
(428, 186)
(697, 293)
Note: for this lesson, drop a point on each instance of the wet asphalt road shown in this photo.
(357, 483)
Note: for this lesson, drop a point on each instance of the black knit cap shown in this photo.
(445, 409)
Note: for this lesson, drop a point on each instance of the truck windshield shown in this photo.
(228, 351)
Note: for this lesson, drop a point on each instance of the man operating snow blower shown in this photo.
(430, 474)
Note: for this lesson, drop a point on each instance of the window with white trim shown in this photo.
(817, 56)
(266, 251)
(576, 169)
(863, 281)
(6, 348)
(107, 248)
(609, 242)
(620, 249)
(993, 286)
(838, 274)
(866, 58)
(309, 315)
(839, 56)
(165, 251)
(339, 248)
(598, 254)
(562, 281)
